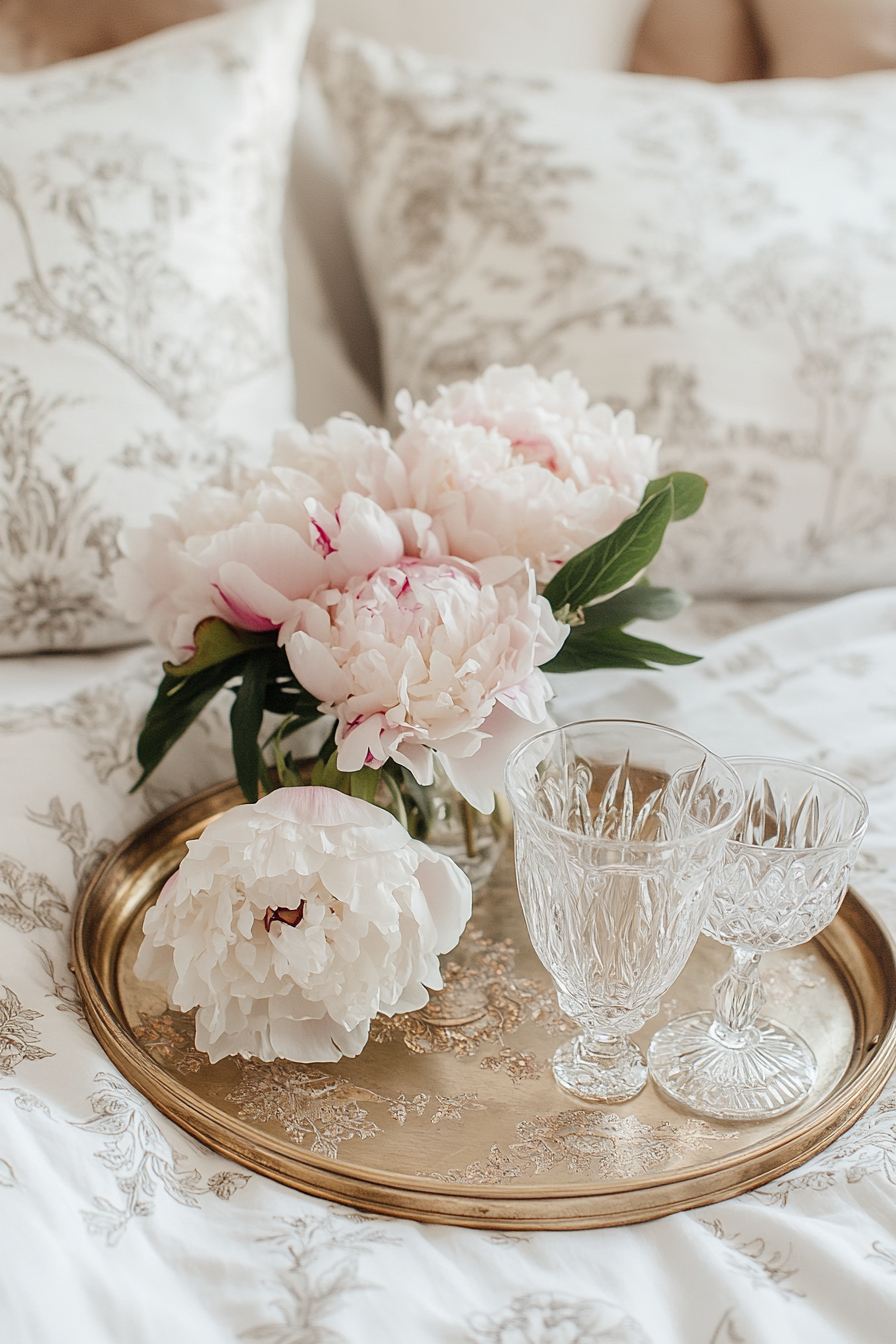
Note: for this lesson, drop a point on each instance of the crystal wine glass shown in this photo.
(785, 873)
(619, 827)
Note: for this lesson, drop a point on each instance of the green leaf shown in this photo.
(289, 776)
(178, 702)
(245, 724)
(287, 770)
(327, 775)
(688, 491)
(216, 641)
(588, 647)
(613, 561)
(364, 783)
(642, 602)
(292, 699)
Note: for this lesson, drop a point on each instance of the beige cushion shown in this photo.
(827, 37)
(34, 33)
(703, 39)
(724, 40)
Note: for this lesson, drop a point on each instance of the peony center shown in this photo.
(283, 915)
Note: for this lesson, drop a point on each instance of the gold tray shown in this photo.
(451, 1113)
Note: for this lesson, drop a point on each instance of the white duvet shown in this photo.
(117, 1228)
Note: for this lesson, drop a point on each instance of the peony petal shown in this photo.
(316, 669)
(527, 699)
(361, 744)
(368, 538)
(416, 758)
(448, 893)
(498, 568)
(247, 599)
(477, 778)
(312, 806)
(272, 551)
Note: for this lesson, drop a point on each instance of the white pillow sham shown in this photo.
(567, 34)
(719, 258)
(143, 337)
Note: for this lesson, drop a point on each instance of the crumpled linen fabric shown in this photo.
(117, 1226)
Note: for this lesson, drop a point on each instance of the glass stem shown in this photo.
(739, 996)
(606, 1052)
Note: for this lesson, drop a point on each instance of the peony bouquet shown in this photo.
(414, 590)
(415, 593)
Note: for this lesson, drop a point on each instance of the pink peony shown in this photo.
(348, 457)
(429, 655)
(244, 555)
(249, 555)
(515, 464)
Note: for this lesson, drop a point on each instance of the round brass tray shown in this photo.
(451, 1114)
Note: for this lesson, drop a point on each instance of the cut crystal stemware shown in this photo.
(785, 873)
(619, 827)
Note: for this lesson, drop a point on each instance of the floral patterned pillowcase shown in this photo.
(143, 337)
(720, 258)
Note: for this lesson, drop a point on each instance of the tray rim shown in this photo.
(485, 1206)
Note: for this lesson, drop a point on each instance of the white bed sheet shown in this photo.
(117, 1228)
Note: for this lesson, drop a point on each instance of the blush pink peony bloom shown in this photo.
(515, 464)
(426, 655)
(348, 457)
(293, 921)
(356, 539)
(249, 555)
(244, 555)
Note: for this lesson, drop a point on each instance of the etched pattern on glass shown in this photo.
(784, 875)
(618, 829)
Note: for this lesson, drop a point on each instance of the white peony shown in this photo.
(292, 922)
(515, 464)
(426, 655)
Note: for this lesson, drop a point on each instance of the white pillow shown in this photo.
(720, 258)
(567, 34)
(143, 338)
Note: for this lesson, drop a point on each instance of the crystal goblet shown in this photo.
(785, 873)
(619, 827)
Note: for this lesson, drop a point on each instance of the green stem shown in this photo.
(398, 808)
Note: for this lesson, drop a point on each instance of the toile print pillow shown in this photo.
(143, 335)
(720, 258)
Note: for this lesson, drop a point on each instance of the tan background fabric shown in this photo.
(704, 39)
(827, 37)
(34, 33)
(722, 40)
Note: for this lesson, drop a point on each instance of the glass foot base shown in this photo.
(592, 1075)
(773, 1072)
